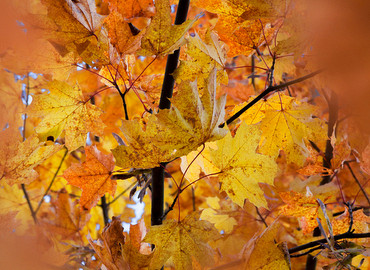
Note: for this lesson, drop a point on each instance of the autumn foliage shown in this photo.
(256, 141)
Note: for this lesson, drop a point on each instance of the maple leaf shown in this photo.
(69, 219)
(162, 37)
(18, 159)
(241, 23)
(202, 58)
(12, 199)
(92, 176)
(264, 253)
(285, 123)
(182, 241)
(73, 26)
(131, 8)
(11, 100)
(239, 167)
(305, 207)
(115, 253)
(341, 223)
(191, 121)
(222, 222)
(286, 128)
(65, 109)
(120, 34)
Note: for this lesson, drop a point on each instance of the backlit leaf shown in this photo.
(92, 176)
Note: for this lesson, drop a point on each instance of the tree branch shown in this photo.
(105, 208)
(264, 93)
(333, 118)
(165, 103)
(323, 241)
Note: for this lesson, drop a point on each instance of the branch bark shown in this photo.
(165, 103)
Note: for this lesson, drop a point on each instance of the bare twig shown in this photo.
(51, 182)
(358, 182)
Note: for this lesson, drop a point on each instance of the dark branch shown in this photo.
(333, 118)
(264, 93)
(165, 103)
(105, 208)
(323, 241)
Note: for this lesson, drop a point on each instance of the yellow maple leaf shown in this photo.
(222, 222)
(65, 109)
(92, 176)
(239, 167)
(201, 59)
(264, 253)
(12, 199)
(191, 121)
(74, 26)
(162, 37)
(18, 159)
(285, 124)
(182, 241)
(219, 217)
(286, 128)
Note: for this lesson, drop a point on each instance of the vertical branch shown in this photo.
(33, 214)
(333, 118)
(105, 208)
(165, 103)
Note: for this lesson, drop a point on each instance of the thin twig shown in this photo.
(51, 182)
(350, 217)
(123, 192)
(261, 217)
(171, 207)
(358, 182)
(29, 203)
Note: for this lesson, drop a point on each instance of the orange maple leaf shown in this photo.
(92, 176)
(116, 253)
